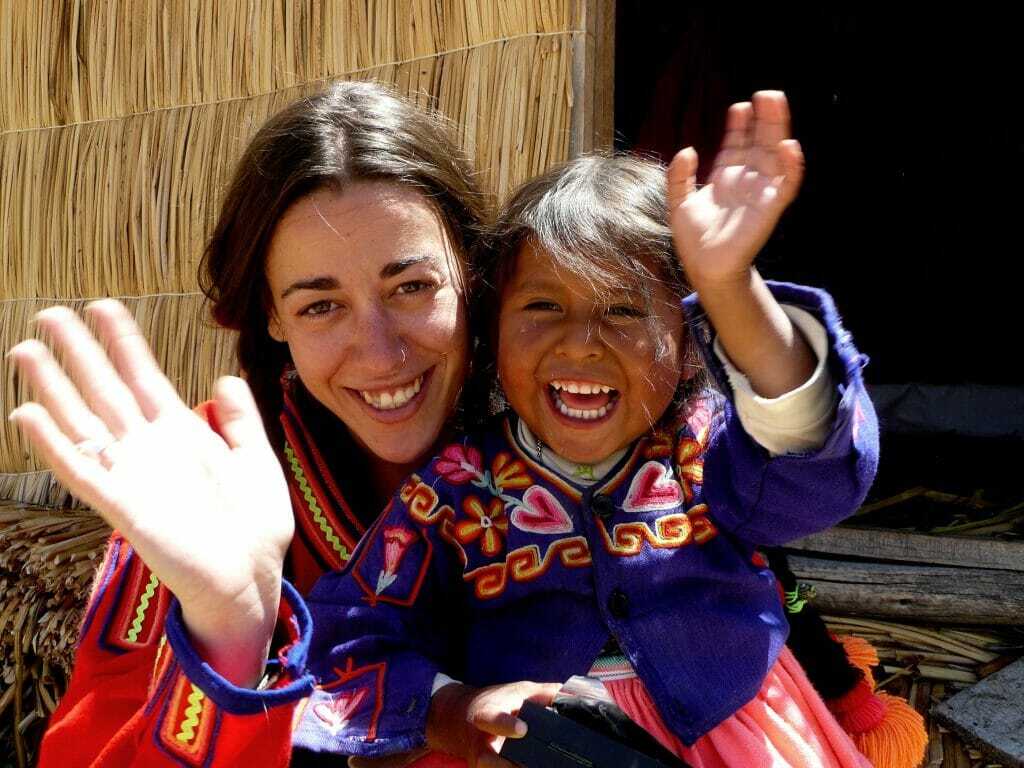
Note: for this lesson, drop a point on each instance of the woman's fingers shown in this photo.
(78, 470)
(98, 382)
(55, 392)
(133, 360)
(238, 418)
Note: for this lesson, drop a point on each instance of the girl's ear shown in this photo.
(691, 358)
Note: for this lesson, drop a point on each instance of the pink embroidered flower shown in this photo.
(459, 464)
(489, 524)
(509, 474)
(396, 543)
(689, 465)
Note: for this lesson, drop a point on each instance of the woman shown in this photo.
(342, 257)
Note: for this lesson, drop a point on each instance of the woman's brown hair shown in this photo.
(348, 132)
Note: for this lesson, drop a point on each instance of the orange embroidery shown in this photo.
(670, 532)
(489, 524)
(420, 499)
(526, 564)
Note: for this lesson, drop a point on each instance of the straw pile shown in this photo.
(46, 565)
(119, 124)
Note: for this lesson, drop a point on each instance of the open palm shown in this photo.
(208, 513)
(719, 228)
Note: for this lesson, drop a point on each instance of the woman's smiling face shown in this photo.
(587, 371)
(367, 291)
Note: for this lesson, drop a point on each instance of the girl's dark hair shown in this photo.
(349, 132)
(600, 218)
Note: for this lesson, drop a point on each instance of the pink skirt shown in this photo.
(786, 725)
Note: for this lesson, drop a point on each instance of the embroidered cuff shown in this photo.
(293, 683)
(800, 420)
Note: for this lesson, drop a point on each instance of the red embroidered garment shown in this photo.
(133, 702)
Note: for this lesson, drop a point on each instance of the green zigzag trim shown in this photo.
(318, 514)
(140, 609)
(188, 725)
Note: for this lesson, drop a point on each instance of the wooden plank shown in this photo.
(883, 544)
(990, 715)
(593, 77)
(910, 592)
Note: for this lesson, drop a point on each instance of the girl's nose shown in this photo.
(580, 339)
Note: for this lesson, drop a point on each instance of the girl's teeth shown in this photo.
(576, 413)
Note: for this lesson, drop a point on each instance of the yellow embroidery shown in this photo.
(188, 725)
(526, 564)
(318, 514)
(670, 532)
(140, 609)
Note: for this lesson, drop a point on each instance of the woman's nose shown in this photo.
(380, 349)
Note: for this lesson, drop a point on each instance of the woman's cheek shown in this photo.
(444, 326)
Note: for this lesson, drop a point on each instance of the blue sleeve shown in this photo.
(769, 501)
(382, 631)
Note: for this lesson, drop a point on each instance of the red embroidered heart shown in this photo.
(653, 488)
(542, 513)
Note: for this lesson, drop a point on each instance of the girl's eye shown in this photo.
(626, 312)
(413, 286)
(318, 308)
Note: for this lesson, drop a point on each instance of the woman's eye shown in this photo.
(542, 306)
(413, 286)
(318, 308)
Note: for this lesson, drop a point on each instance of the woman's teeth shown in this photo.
(388, 400)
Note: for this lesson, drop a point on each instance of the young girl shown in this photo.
(607, 523)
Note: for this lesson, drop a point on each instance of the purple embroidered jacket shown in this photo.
(490, 568)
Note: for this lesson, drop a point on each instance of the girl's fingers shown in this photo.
(494, 721)
(770, 127)
(54, 390)
(132, 358)
(78, 471)
(682, 177)
(791, 160)
(737, 139)
(100, 385)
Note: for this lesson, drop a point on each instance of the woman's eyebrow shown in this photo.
(322, 283)
(393, 268)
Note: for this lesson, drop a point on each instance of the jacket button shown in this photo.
(618, 603)
(602, 506)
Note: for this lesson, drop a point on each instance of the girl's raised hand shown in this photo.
(719, 228)
(209, 514)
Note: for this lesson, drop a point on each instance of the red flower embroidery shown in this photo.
(459, 464)
(490, 525)
(508, 473)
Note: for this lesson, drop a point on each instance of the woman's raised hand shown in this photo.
(209, 514)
